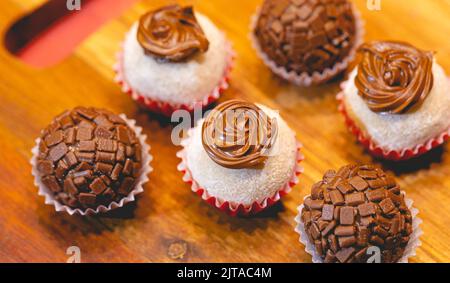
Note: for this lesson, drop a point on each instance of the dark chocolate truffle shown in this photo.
(89, 157)
(306, 35)
(356, 208)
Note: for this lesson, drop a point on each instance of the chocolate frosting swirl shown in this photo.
(394, 77)
(238, 134)
(171, 33)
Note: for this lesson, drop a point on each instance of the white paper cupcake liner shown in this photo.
(304, 79)
(410, 249)
(235, 209)
(145, 170)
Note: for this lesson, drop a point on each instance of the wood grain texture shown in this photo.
(168, 212)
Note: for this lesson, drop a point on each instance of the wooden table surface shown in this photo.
(168, 217)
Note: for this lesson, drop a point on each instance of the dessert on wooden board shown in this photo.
(174, 58)
(241, 158)
(396, 101)
(354, 211)
(90, 160)
(307, 42)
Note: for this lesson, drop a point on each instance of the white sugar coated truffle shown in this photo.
(176, 82)
(244, 186)
(403, 131)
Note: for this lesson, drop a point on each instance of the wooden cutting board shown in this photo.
(168, 219)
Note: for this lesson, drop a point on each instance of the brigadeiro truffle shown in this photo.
(173, 58)
(241, 158)
(356, 215)
(307, 41)
(90, 160)
(397, 101)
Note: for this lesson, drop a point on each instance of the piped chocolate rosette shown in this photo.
(238, 134)
(171, 33)
(394, 77)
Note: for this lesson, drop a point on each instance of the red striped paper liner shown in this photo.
(166, 108)
(380, 152)
(237, 209)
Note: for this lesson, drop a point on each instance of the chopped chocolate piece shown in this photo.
(358, 183)
(314, 231)
(102, 121)
(105, 157)
(61, 169)
(85, 156)
(344, 254)
(366, 209)
(330, 257)
(347, 241)
(87, 152)
(116, 172)
(344, 222)
(336, 197)
(120, 155)
(54, 138)
(354, 199)
(57, 152)
(104, 133)
(136, 169)
(367, 175)
(386, 205)
(122, 134)
(344, 230)
(347, 216)
(327, 212)
(88, 146)
(70, 159)
(328, 228)
(84, 133)
(88, 113)
(69, 136)
(128, 167)
(45, 167)
(377, 183)
(51, 183)
(79, 181)
(106, 180)
(87, 199)
(376, 195)
(69, 187)
(104, 168)
(126, 186)
(345, 187)
(97, 186)
(315, 204)
(107, 145)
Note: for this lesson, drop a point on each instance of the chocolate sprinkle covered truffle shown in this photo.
(353, 209)
(306, 35)
(89, 157)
